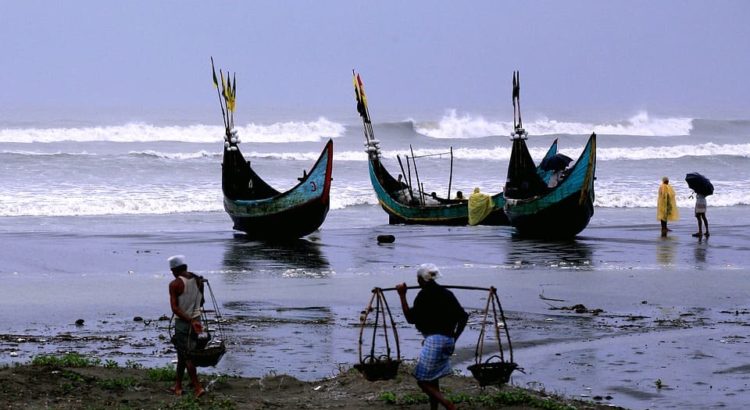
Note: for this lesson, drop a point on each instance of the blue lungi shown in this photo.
(434, 359)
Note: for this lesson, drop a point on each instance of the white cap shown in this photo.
(428, 272)
(176, 261)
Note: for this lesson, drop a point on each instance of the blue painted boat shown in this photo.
(255, 207)
(407, 204)
(262, 212)
(535, 207)
(561, 212)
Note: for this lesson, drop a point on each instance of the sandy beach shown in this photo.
(663, 323)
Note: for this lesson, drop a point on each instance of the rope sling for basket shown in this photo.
(204, 351)
(493, 372)
(372, 366)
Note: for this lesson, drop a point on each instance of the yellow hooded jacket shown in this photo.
(666, 206)
(480, 206)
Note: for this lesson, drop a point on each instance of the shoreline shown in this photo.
(72, 382)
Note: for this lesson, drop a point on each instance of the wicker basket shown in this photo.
(492, 373)
(209, 356)
(378, 369)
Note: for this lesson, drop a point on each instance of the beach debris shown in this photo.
(386, 238)
(138, 319)
(164, 318)
(13, 354)
(79, 322)
(579, 308)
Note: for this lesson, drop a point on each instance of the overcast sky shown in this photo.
(148, 59)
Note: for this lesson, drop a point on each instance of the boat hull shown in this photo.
(564, 211)
(291, 214)
(455, 213)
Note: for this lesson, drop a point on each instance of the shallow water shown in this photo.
(673, 308)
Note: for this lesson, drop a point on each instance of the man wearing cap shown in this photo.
(186, 300)
(440, 318)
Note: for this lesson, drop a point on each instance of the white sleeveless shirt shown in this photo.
(190, 299)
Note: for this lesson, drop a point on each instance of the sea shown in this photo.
(90, 212)
(142, 169)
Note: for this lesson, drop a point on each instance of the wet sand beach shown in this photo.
(663, 321)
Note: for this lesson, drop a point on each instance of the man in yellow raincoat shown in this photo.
(480, 206)
(666, 205)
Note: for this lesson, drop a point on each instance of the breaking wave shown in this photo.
(467, 126)
(282, 132)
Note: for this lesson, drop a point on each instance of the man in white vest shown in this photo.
(186, 300)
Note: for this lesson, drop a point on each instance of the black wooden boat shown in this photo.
(533, 207)
(255, 207)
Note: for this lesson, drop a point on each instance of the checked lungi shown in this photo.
(434, 359)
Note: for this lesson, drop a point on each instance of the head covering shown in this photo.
(665, 179)
(428, 272)
(176, 261)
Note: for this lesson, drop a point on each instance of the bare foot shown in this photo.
(199, 392)
(707, 234)
(177, 391)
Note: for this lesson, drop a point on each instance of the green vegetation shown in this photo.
(67, 360)
(117, 384)
(504, 398)
(162, 374)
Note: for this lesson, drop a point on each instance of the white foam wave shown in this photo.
(77, 201)
(284, 132)
(44, 154)
(467, 126)
(602, 154)
(155, 200)
(634, 194)
(176, 155)
(674, 151)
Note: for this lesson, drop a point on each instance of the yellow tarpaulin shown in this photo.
(666, 207)
(480, 205)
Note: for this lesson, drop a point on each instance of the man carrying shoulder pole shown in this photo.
(186, 300)
(437, 314)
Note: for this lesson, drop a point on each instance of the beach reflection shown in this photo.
(301, 258)
(665, 251)
(572, 254)
(701, 248)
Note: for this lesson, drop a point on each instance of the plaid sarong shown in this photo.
(434, 359)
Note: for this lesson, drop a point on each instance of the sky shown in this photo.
(148, 60)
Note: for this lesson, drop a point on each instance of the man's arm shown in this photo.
(461, 318)
(401, 289)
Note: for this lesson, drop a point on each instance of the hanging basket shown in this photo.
(373, 366)
(208, 356)
(382, 368)
(492, 373)
(496, 370)
(204, 351)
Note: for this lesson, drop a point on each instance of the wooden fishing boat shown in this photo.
(255, 207)
(263, 212)
(407, 203)
(533, 207)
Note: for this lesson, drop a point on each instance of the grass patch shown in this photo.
(515, 397)
(162, 374)
(119, 384)
(67, 360)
